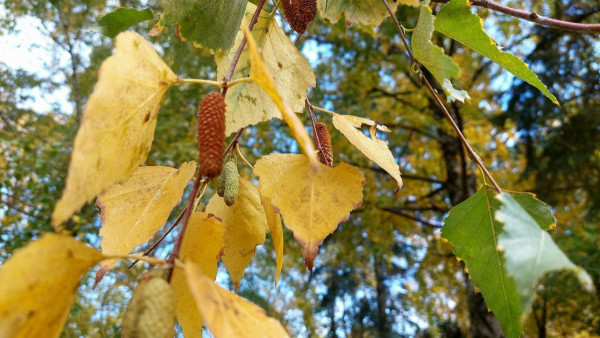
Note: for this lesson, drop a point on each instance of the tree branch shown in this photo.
(439, 102)
(401, 214)
(585, 28)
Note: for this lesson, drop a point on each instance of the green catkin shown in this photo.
(231, 184)
(221, 185)
(151, 311)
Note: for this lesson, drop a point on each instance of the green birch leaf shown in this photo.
(433, 58)
(529, 251)
(471, 229)
(114, 23)
(366, 12)
(212, 24)
(457, 22)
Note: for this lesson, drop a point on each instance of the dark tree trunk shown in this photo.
(382, 320)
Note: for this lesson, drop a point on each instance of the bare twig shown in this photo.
(585, 28)
(439, 102)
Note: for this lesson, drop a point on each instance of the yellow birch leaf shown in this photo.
(38, 284)
(134, 210)
(373, 148)
(260, 75)
(312, 203)
(227, 314)
(274, 222)
(202, 245)
(118, 123)
(245, 228)
(247, 104)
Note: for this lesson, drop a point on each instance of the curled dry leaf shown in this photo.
(202, 245)
(38, 285)
(227, 314)
(134, 210)
(118, 123)
(245, 228)
(312, 203)
(375, 149)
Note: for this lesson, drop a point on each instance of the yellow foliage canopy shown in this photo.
(245, 228)
(135, 209)
(227, 314)
(118, 123)
(312, 203)
(38, 284)
(202, 245)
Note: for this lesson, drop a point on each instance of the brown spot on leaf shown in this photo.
(147, 117)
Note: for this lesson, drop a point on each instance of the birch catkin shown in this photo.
(326, 154)
(211, 134)
(299, 13)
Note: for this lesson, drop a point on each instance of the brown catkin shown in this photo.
(326, 154)
(211, 134)
(299, 13)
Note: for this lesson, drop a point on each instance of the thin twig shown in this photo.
(439, 102)
(585, 28)
(184, 222)
(162, 238)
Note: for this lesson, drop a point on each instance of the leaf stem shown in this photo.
(322, 109)
(237, 149)
(151, 260)
(439, 102)
(214, 83)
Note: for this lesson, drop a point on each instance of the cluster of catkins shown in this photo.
(211, 144)
(299, 13)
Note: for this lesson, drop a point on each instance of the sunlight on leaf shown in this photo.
(118, 123)
(227, 314)
(312, 203)
(202, 245)
(134, 210)
(247, 104)
(38, 285)
(245, 228)
(373, 148)
(261, 76)
(530, 252)
(457, 22)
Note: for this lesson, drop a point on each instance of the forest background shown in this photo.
(385, 272)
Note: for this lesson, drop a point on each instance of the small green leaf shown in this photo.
(529, 251)
(206, 23)
(433, 58)
(113, 23)
(457, 22)
(471, 229)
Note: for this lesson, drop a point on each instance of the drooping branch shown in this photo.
(585, 28)
(439, 101)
